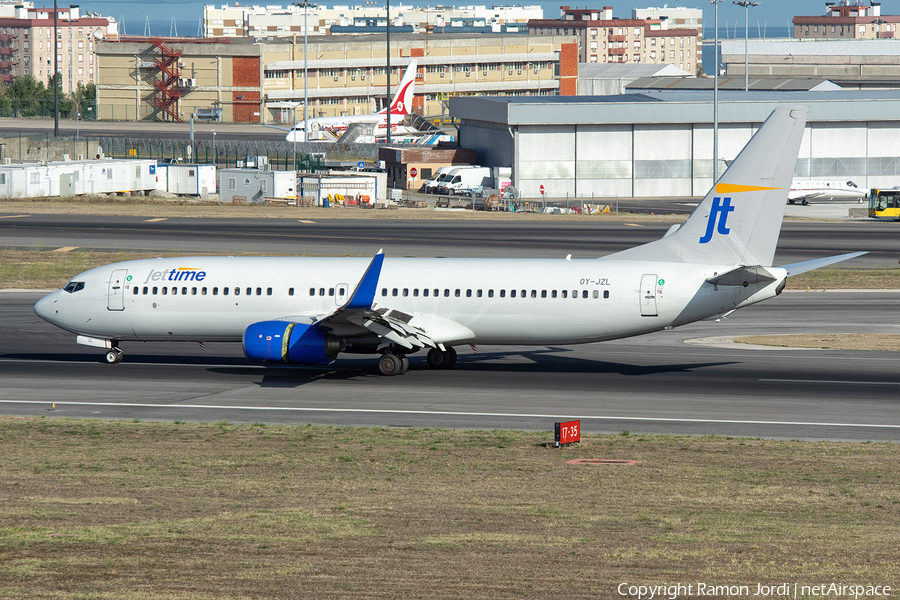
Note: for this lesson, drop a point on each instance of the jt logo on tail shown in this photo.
(720, 209)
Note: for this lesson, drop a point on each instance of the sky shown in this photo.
(775, 13)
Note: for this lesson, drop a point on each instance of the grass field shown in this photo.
(192, 511)
(829, 341)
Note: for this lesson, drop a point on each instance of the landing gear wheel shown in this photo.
(451, 358)
(790, 201)
(389, 364)
(404, 365)
(114, 356)
(441, 359)
(805, 202)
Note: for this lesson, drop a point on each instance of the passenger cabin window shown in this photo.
(155, 290)
(136, 290)
(290, 291)
(224, 291)
(606, 293)
(249, 291)
(202, 291)
(237, 291)
(384, 291)
(269, 292)
(146, 290)
(184, 291)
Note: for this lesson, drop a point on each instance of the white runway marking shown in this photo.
(832, 381)
(61, 405)
(157, 220)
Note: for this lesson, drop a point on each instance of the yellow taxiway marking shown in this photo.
(14, 216)
(66, 249)
(305, 221)
(631, 225)
(156, 220)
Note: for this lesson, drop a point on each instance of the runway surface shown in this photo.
(652, 384)
(455, 238)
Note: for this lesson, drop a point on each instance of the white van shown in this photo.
(439, 176)
(441, 187)
(469, 179)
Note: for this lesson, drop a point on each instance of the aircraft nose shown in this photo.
(46, 308)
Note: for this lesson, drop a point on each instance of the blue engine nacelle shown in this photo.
(281, 341)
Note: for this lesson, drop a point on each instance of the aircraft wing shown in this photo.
(277, 127)
(808, 194)
(392, 325)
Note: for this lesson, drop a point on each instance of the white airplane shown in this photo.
(331, 128)
(307, 311)
(805, 190)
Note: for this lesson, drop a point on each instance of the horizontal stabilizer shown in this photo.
(818, 263)
(743, 276)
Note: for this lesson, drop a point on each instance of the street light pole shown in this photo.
(746, 4)
(305, 5)
(716, 3)
(55, 73)
(388, 45)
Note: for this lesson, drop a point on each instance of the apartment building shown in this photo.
(347, 75)
(847, 20)
(233, 20)
(263, 81)
(27, 44)
(602, 39)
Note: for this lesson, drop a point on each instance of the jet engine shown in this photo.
(282, 341)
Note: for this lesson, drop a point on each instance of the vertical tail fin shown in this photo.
(401, 103)
(740, 218)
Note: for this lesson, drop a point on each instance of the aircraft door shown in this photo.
(648, 296)
(117, 290)
(340, 294)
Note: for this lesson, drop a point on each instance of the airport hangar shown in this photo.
(660, 143)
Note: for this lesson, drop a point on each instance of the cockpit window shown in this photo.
(851, 184)
(74, 286)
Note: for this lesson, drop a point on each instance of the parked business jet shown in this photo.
(306, 311)
(804, 190)
(329, 129)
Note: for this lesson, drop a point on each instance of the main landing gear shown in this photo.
(390, 363)
(114, 356)
(441, 359)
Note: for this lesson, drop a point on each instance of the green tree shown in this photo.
(25, 94)
(86, 100)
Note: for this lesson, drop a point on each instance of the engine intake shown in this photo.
(293, 343)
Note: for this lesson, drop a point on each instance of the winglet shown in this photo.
(364, 294)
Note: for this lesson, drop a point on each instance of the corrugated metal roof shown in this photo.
(794, 84)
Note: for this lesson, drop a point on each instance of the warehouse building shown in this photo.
(659, 144)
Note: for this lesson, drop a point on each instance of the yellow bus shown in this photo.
(885, 204)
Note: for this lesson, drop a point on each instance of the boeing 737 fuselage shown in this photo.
(309, 310)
